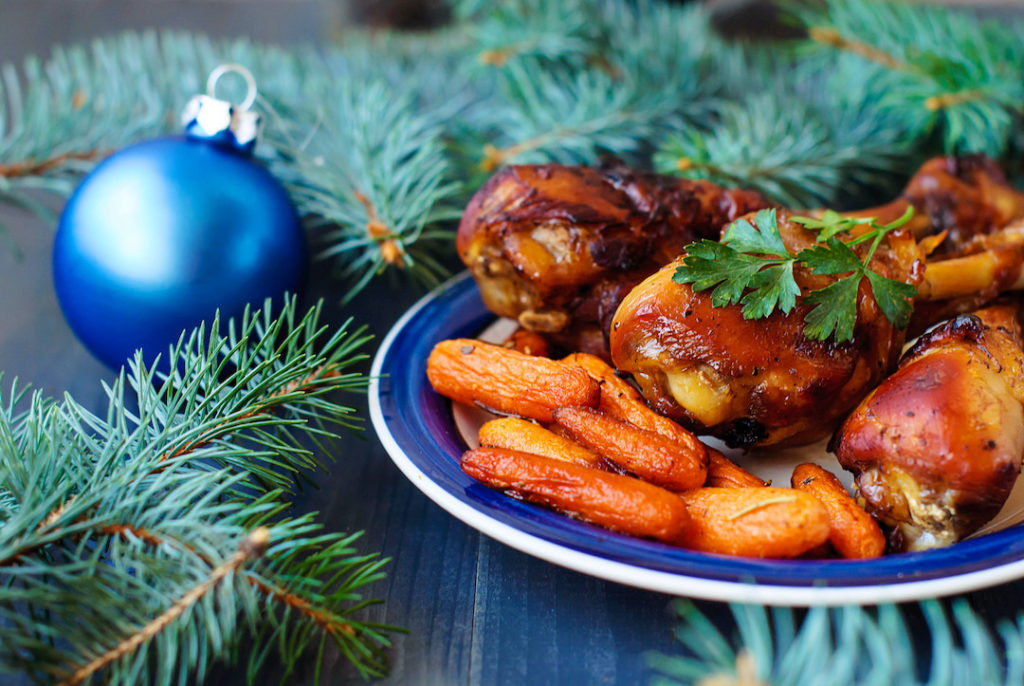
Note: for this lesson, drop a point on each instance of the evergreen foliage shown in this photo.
(382, 138)
(144, 543)
(847, 646)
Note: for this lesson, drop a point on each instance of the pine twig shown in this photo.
(34, 167)
(390, 250)
(252, 547)
(260, 407)
(948, 100)
(838, 647)
(828, 35)
(937, 69)
(326, 621)
(116, 517)
(301, 386)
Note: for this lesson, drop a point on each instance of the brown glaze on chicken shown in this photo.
(936, 448)
(756, 382)
(761, 383)
(557, 247)
(966, 197)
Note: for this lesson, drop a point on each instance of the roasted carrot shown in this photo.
(513, 433)
(852, 531)
(613, 387)
(506, 381)
(724, 473)
(645, 453)
(614, 501)
(754, 522)
(621, 400)
(528, 342)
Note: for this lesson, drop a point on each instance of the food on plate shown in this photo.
(936, 448)
(757, 382)
(622, 400)
(524, 436)
(767, 337)
(852, 531)
(724, 473)
(966, 197)
(507, 381)
(557, 247)
(617, 502)
(528, 342)
(755, 361)
(647, 454)
(754, 522)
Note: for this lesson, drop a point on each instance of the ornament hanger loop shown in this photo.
(250, 82)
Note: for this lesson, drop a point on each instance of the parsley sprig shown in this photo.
(752, 267)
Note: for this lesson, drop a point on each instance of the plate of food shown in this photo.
(428, 436)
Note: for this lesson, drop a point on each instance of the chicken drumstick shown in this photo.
(936, 448)
(558, 247)
(762, 382)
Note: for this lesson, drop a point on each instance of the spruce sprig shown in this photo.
(794, 150)
(145, 543)
(936, 69)
(840, 647)
(752, 266)
(372, 174)
(650, 66)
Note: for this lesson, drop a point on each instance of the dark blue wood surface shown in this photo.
(476, 611)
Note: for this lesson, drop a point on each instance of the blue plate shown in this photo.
(416, 427)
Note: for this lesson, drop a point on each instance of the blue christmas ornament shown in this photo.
(164, 233)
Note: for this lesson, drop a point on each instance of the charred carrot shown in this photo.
(647, 454)
(754, 522)
(614, 501)
(614, 388)
(853, 532)
(724, 473)
(507, 381)
(621, 400)
(513, 433)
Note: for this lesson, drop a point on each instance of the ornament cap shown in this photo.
(219, 121)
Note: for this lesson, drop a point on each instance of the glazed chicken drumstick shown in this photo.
(937, 447)
(558, 247)
(763, 382)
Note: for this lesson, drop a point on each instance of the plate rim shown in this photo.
(724, 590)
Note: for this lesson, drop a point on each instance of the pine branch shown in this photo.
(252, 546)
(373, 171)
(611, 89)
(791, 148)
(119, 534)
(934, 68)
(839, 647)
(32, 167)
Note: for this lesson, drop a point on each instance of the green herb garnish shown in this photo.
(752, 267)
